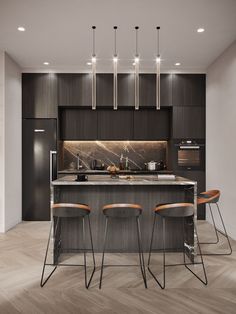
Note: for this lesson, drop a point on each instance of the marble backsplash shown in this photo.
(109, 152)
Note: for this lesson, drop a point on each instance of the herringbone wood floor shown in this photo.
(21, 256)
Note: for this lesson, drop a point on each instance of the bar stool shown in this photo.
(60, 211)
(212, 197)
(176, 211)
(115, 211)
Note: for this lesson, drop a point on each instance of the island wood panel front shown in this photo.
(122, 233)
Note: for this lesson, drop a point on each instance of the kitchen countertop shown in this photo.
(102, 172)
(136, 180)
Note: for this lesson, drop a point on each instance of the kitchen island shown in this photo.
(146, 190)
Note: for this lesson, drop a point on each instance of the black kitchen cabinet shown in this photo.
(39, 136)
(188, 122)
(200, 177)
(152, 124)
(74, 89)
(125, 86)
(115, 124)
(147, 91)
(104, 89)
(78, 124)
(189, 89)
(39, 95)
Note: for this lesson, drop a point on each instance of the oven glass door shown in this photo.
(189, 158)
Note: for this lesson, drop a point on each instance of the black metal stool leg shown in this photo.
(225, 232)
(85, 260)
(42, 283)
(152, 236)
(103, 252)
(218, 231)
(164, 256)
(202, 262)
(92, 249)
(214, 225)
(141, 257)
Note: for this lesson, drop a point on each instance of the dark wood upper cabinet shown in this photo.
(125, 89)
(147, 92)
(39, 95)
(152, 124)
(189, 89)
(78, 124)
(74, 89)
(104, 89)
(189, 122)
(115, 124)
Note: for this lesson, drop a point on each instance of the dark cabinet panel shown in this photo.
(38, 138)
(74, 89)
(189, 89)
(115, 124)
(166, 90)
(104, 89)
(125, 89)
(188, 122)
(152, 124)
(78, 124)
(147, 84)
(39, 95)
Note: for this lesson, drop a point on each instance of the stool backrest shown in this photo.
(178, 210)
(70, 210)
(122, 210)
(211, 196)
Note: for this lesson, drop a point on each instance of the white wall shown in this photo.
(221, 133)
(13, 145)
(10, 143)
(2, 142)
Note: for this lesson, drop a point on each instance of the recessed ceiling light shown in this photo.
(200, 30)
(177, 63)
(46, 63)
(21, 29)
(89, 63)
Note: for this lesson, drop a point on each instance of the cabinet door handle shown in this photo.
(39, 130)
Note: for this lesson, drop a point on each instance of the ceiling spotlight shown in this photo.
(21, 29)
(46, 63)
(89, 63)
(200, 30)
(177, 63)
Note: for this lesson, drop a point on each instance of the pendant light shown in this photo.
(136, 73)
(94, 72)
(115, 61)
(158, 72)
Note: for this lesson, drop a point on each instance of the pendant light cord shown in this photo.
(115, 29)
(93, 27)
(158, 38)
(136, 27)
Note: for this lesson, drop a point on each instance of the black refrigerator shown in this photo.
(39, 143)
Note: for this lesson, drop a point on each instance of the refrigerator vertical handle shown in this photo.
(52, 153)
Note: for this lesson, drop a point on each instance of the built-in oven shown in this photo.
(189, 155)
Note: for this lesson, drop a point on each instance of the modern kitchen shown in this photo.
(116, 160)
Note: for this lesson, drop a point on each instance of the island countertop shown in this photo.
(134, 180)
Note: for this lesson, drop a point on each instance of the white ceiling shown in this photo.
(59, 31)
